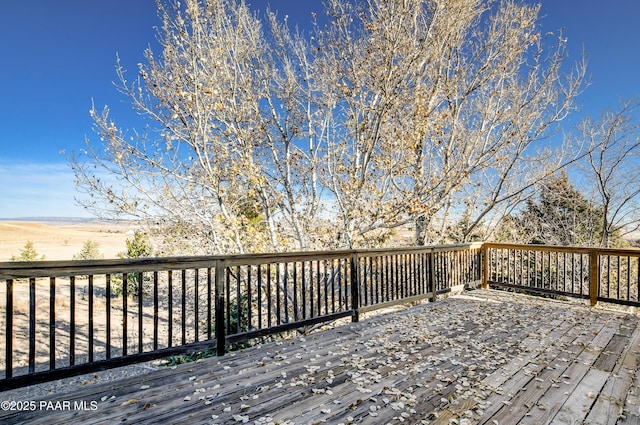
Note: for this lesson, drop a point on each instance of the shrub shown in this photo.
(137, 247)
(89, 251)
(28, 253)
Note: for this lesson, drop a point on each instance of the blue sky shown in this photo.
(59, 55)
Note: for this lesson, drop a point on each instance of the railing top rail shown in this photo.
(545, 248)
(561, 248)
(26, 269)
(632, 252)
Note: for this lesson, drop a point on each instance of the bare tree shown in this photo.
(445, 108)
(612, 168)
(507, 93)
(223, 160)
(395, 112)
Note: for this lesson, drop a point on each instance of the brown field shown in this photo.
(62, 241)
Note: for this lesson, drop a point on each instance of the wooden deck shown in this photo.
(481, 357)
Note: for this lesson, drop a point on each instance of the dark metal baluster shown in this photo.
(521, 272)
(249, 300)
(377, 279)
(259, 273)
(326, 286)
(140, 313)
(389, 277)
(278, 302)
(32, 324)
(286, 292)
(52, 323)
(108, 308)
(557, 285)
(9, 335)
(72, 321)
(333, 285)
(533, 267)
(628, 278)
(424, 273)
(608, 276)
(170, 306)
(397, 278)
(549, 280)
(404, 281)
(319, 292)
(196, 327)
(412, 274)
(155, 310)
(581, 274)
(502, 266)
(209, 305)
(304, 290)
(366, 271)
(418, 262)
(221, 346)
(228, 300)
(238, 301)
(565, 271)
(312, 310)
(326, 277)
(183, 308)
(638, 279)
(125, 295)
(90, 319)
(618, 277)
(269, 295)
(455, 268)
(341, 296)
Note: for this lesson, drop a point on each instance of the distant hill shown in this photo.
(61, 221)
(60, 238)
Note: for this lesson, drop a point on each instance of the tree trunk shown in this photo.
(421, 223)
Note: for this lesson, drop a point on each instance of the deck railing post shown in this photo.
(594, 276)
(430, 278)
(355, 288)
(485, 266)
(220, 319)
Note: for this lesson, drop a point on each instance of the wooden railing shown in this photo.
(596, 274)
(59, 319)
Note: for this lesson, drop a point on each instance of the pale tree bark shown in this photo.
(505, 92)
(441, 99)
(394, 113)
(223, 160)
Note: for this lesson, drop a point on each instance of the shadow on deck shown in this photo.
(484, 356)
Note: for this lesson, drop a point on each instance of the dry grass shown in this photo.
(61, 242)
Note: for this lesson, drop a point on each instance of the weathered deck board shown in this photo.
(480, 357)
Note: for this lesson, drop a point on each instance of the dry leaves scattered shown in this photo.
(437, 363)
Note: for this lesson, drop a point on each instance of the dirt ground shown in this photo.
(61, 241)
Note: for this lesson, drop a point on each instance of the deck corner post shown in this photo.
(220, 325)
(355, 288)
(594, 276)
(485, 266)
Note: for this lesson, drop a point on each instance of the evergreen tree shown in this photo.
(89, 251)
(138, 246)
(28, 253)
(560, 216)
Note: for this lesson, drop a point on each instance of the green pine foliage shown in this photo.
(560, 215)
(138, 246)
(28, 253)
(90, 251)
